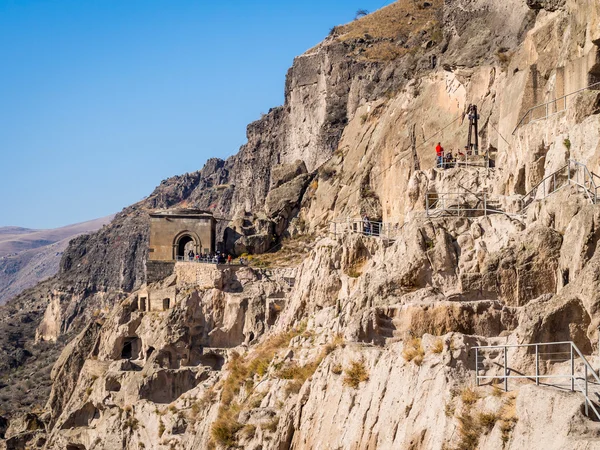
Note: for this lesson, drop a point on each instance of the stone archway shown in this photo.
(184, 242)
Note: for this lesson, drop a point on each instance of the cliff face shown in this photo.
(362, 343)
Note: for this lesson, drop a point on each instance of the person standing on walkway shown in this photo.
(439, 151)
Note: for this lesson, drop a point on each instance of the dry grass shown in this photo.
(224, 430)
(438, 346)
(242, 372)
(399, 21)
(508, 418)
(413, 351)
(469, 431)
(249, 431)
(290, 253)
(355, 269)
(389, 22)
(355, 374)
(487, 419)
(271, 425)
(469, 396)
(299, 374)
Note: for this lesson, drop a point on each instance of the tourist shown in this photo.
(439, 151)
(191, 255)
(366, 225)
(229, 259)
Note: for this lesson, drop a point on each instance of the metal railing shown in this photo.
(384, 230)
(210, 260)
(545, 110)
(460, 204)
(573, 173)
(451, 160)
(545, 355)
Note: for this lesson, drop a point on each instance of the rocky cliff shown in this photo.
(362, 342)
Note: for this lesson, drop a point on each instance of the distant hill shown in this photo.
(29, 256)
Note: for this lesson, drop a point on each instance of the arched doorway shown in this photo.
(185, 242)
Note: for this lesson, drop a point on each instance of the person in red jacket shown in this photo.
(439, 151)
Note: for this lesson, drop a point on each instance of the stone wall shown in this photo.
(194, 274)
(158, 270)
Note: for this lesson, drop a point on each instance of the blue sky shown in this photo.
(101, 100)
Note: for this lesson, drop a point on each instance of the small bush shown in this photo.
(469, 396)
(355, 374)
(487, 420)
(161, 428)
(497, 391)
(131, 423)
(469, 432)
(224, 431)
(356, 268)
(567, 143)
(336, 369)
(413, 351)
(249, 431)
(508, 418)
(361, 13)
(438, 346)
(364, 118)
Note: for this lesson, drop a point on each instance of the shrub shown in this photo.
(413, 351)
(449, 409)
(161, 428)
(487, 420)
(336, 369)
(508, 418)
(438, 346)
(469, 396)
(224, 430)
(249, 431)
(355, 374)
(131, 423)
(361, 13)
(469, 432)
(567, 143)
(355, 269)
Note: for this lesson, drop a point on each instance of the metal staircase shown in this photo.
(573, 173)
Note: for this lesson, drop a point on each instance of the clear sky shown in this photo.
(100, 100)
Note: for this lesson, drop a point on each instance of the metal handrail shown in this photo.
(385, 230)
(533, 191)
(458, 202)
(546, 105)
(588, 184)
(573, 349)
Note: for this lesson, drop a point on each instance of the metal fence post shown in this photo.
(537, 366)
(572, 370)
(476, 366)
(586, 390)
(485, 203)
(505, 371)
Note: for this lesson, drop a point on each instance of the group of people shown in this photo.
(214, 258)
(445, 160)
